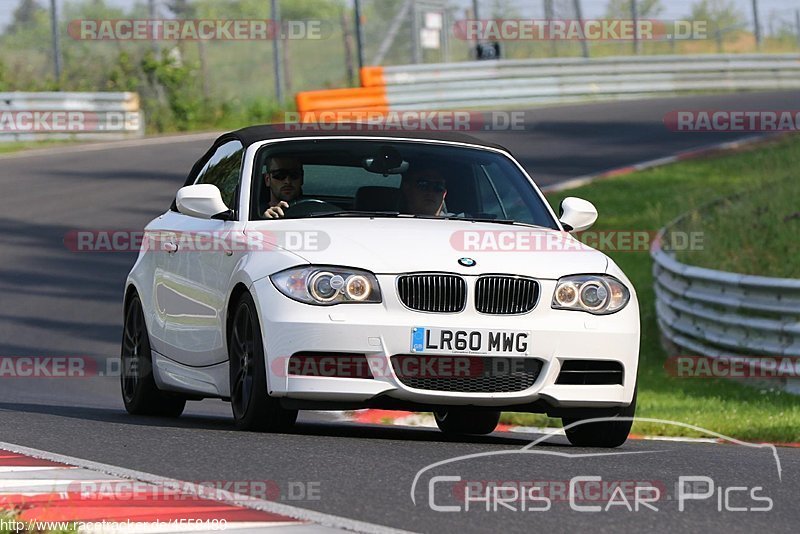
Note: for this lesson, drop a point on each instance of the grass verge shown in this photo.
(648, 200)
(16, 146)
(755, 233)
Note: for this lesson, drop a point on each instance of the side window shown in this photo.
(223, 170)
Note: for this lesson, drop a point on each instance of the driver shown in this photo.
(284, 179)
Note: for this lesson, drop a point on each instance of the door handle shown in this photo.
(170, 247)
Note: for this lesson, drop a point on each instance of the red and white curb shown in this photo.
(39, 487)
(426, 420)
(695, 153)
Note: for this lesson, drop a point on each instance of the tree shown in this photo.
(502, 9)
(3, 84)
(181, 8)
(721, 16)
(25, 15)
(645, 9)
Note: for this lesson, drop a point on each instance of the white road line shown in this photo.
(682, 439)
(105, 145)
(245, 501)
(587, 179)
(164, 528)
(30, 468)
(26, 484)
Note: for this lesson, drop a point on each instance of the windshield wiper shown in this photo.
(480, 219)
(364, 213)
(351, 213)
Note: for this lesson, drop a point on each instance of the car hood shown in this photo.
(400, 245)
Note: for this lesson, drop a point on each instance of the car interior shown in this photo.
(365, 176)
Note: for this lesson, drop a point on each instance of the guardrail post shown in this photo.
(637, 45)
(359, 35)
(756, 25)
(56, 42)
(797, 25)
(276, 53)
(579, 15)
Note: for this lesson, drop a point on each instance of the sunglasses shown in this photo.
(286, 174)
(431, 185)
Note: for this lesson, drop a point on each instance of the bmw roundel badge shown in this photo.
(467, 262)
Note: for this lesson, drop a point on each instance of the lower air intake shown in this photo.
(466, 374)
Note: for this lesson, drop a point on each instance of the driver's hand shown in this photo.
(276, 212)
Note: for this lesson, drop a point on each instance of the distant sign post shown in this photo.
(487, 51)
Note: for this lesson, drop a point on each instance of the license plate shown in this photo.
(451, 341)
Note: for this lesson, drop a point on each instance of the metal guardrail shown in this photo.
(478, 84)
(56, 115)
(522, 82)
(726, 315)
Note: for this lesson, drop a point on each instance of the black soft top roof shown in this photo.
(254, 134)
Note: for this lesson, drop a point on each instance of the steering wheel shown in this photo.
(307, 206)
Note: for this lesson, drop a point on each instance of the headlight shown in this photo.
(328, 285)
(596, 294)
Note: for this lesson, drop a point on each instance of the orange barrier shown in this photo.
(370, 97)
(372, 77)
(333, 99)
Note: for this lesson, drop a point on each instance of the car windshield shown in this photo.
(363, 178)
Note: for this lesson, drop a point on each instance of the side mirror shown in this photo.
(576, 214)
(203, 201)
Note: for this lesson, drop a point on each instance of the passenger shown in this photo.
(424, 190)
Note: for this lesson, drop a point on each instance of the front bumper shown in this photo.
(382, 330)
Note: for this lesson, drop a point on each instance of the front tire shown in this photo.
(607, 434)
(461, 421)
(139, 391)
(253, 408)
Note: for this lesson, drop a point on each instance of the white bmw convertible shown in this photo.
(354, 269)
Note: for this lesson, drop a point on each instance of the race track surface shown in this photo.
(60, 303)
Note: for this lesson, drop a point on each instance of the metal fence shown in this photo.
(507, 83)
(54, 115)
(716, 314)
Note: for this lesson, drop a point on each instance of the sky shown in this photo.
(674, 9)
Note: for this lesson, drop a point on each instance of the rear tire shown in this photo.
(139, 391)
(606, 434)
(253, 408)
(461, 421)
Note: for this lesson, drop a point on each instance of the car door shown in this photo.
(193, 280)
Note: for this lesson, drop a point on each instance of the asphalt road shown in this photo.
(60, 303)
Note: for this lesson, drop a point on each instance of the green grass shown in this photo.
(755, 233)
(648, 200)
(16, 146)
(9, 517)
